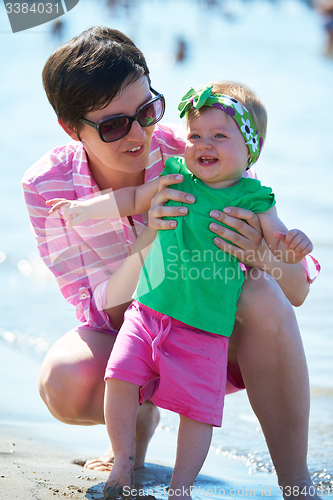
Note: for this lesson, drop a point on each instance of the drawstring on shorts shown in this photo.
(164, 330)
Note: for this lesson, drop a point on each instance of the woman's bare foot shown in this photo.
(105, 462)
(146, 423)
(120, 476)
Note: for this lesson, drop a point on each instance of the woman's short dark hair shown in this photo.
(87, 72)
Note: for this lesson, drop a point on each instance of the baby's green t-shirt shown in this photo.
(185, 275)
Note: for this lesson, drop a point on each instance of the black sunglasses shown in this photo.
(115, 128)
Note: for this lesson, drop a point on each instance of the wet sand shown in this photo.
(32, 469)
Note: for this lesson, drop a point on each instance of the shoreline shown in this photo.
(34, 468)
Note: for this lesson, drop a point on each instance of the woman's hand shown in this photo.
(246, 242)
(158, 210)
(250, 248)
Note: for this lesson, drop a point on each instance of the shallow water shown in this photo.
(275, 49)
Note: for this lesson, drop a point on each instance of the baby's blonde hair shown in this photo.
(245, 96)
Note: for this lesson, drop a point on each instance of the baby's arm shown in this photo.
(290, 246)
(120, 203)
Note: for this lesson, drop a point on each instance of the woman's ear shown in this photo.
(68, 129)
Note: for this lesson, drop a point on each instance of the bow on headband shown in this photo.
(203, 96)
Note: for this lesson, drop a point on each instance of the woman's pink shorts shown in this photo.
(178, 367)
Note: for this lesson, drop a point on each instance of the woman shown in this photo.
(89, 81)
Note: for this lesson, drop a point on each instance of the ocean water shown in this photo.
(276, 48)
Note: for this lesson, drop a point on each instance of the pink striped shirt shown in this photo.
(83, 257)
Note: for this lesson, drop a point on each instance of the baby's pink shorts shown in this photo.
(178, 367)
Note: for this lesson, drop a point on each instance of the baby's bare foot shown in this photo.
(112, 492)
(121, 476)
(147, 421)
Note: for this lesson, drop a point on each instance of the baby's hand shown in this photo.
(296, 242)
(75, 212)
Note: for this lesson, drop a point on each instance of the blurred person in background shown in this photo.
(325, 7)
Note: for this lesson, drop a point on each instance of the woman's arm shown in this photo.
(248, 245)
(122, 283)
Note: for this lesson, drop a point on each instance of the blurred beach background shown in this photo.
(277, 48)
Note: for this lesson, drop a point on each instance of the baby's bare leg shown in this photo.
(120, 407)
(192, 447)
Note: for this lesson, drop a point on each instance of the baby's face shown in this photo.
(215, 149)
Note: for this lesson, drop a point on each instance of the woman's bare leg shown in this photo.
(194, 439)
(71, 384)
(267, 348)
(120, 409)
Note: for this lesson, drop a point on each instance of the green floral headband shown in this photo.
(203, 96)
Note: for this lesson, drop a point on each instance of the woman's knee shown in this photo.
(72, 380)
(52, 387)
(260, 287)
(65, 387)
(262, 302)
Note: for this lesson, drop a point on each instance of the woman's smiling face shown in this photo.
(215, 149)
(130, 154)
